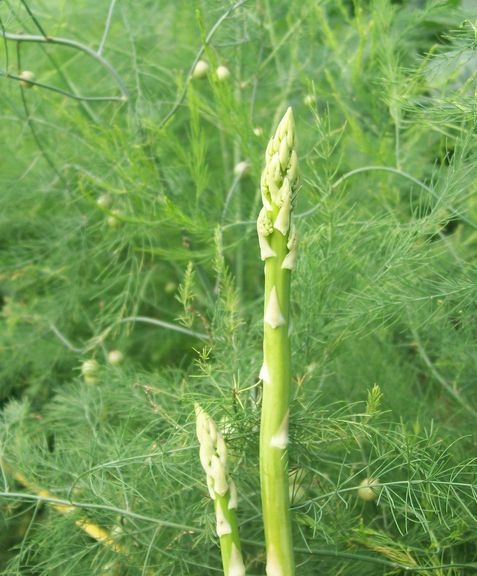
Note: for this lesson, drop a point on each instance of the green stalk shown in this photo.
(278, 248)
(213, 456)
(229, 541)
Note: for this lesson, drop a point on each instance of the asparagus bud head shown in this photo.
(278, 187)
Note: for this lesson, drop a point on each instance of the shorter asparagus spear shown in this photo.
(213, 457)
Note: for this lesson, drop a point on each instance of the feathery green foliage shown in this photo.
(131, 287)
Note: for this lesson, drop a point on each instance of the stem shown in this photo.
(93, 530)
(76, 46)
(277, 241)
(107, 27)
(274, 420)
(229, 543)
(167, 325)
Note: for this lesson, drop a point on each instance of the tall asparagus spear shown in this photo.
(278, 247)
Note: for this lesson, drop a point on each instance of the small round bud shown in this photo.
(369, 489)
(115, 357)
(258, 131)
(241, 168)
(103, 201)
(113, 219)
(309, 100)
(170, 287)
(89, 370)
(200, 70)
(27, 77)
(223, 73)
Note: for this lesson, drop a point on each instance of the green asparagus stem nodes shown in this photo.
(278, 248)
(213, 457)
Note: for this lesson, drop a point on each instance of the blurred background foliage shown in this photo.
(118, 214)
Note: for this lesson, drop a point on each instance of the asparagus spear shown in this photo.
(213, 457)
(278, 247)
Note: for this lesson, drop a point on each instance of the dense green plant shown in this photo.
(131, 286)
